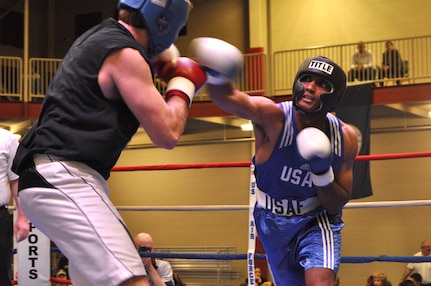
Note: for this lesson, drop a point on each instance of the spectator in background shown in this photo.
(416, 278)
(423, 268)
(362, 67)
(61, 274)
(9, 184)
(392, 64)
(63, 264)
(159, 271)
(337, 281)
(380, 279)
(177, 280)
(407, 283)
(258, 278)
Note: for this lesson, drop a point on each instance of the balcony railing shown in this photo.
(416, 51)
(41, 73)
(11, 78)
(259, 76)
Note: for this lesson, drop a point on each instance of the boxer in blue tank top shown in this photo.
(303, 162)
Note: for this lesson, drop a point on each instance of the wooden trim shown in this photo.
(381, 96)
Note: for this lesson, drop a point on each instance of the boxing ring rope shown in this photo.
(358, 205)
(377, 157)
(52, 279)
(344, 259)
(247, 164)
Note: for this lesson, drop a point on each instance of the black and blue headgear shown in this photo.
(326, 69)
(163, 20)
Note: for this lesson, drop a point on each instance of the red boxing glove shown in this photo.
(167, 55)
(185, 78)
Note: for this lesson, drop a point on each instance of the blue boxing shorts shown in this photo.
(297, 243)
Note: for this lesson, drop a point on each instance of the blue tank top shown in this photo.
(285, 176)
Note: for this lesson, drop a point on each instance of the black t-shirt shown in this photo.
(77, 122)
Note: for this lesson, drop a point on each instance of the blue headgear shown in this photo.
(327, 70)
(163, 20)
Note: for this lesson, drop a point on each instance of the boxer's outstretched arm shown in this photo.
(223, 62)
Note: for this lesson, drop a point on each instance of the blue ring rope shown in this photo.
(344, 259)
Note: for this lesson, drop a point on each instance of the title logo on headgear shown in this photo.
(322, 66)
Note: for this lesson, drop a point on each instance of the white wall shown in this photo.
(296, 25)
(390, 231)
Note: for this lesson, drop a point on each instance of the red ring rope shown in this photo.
(52, 279)
(247, 164)
(393, 156)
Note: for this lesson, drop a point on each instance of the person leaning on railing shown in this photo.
(362, 67)
(392, 64)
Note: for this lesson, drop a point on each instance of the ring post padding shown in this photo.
(251, 229)
(34, 258)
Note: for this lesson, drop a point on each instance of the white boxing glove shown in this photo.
(314, 147)
(222, 61)
(164, 57)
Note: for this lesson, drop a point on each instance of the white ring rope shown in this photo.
(359, 205)
(388, 204)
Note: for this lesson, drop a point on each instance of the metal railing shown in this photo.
(203, 271)
(11, 78)
(42, 71)
(258, 76)
(416, 51)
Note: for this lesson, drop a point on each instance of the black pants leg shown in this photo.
(351, 75)
(6, 245)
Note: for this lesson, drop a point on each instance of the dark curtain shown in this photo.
(354, 109)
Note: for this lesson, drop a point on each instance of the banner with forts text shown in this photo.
(34, 259)
(354, 109)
